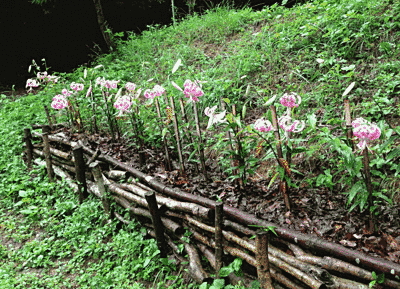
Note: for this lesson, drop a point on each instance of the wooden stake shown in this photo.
(29, 147)
(47, 156)
(46, 109)
(239, 150)
(263, 273)
(195, 267)
(229, 137)
(80, 172)
(140, 137)
(167, 158)
(98, 177)
(219, 216)
(349, 128)
(200, 143)
(46, 128)
(177, 136)
(157, 223)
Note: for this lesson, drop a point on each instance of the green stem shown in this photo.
(368, 183)
(177, 137)
(110, 122)
(201, 150)
(137, 127)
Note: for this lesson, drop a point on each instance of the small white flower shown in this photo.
(214, 117)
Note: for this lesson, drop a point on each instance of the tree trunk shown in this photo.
(103, 25)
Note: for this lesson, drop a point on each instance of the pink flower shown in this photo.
(149, 93)
(214, 117)
(130, 86)
(359, 121)
(52, 78)
(77, 86)
(107, 83)
(157, 90)
(31, 83)
(365, 131)
(111, 83)
(66, 92)
(290, 125)
(123, 103)
(100, 81)
(263, 125)
(41, 75)
(59, 102)
(192, 90)
(290, 99)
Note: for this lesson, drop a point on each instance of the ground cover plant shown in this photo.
(47, 240)
(238, 105)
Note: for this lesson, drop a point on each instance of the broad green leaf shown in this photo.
(218, 284)
(356, 188)
(395, 153)
(225, 271)
(237, 264)
(312, 120)
(22, 193)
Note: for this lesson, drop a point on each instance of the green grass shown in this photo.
(316, 49)
(49, 241)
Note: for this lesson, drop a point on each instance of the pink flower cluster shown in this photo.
(59, 102)
(157, 90)
(285, 122)
(263, 125)
(31, 83)
(107, 83)
(365, 131)
(66, 92)
(130, 86)
(289, 125)
(290, 99)
(45, 77)
(192, 89)
(123, 103)
(76, 86)
(42, 75)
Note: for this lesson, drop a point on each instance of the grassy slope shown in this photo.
(273, 51)
(47, 241)
(317, 50)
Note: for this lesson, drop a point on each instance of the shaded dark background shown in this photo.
(66, 34)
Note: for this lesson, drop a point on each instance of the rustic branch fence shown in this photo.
(219, 232)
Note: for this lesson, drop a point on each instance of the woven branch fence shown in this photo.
(218, 232)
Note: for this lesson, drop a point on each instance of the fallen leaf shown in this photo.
(348, 243)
